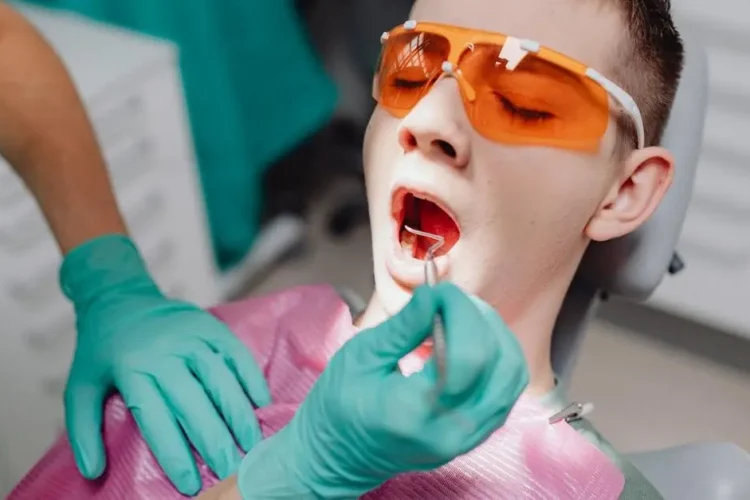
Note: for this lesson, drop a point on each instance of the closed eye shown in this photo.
(403, 83)
(525, 114)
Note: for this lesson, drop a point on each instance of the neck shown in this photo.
(533, 329)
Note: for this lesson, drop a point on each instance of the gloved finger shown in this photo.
(162, 433)
(390, 341)
(247, 370)
(84, 407)
(407, 403)
(200, 421)
(471, 347)
(227, 395)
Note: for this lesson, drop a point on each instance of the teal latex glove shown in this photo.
(180, 371)
(363, 422)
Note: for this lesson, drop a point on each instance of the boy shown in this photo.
(518, 157)
(517, 214)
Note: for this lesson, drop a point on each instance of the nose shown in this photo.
(436, 127)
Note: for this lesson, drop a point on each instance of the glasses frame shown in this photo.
(462, 39)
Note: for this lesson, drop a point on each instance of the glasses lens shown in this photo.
(409, 64)
(535, 102)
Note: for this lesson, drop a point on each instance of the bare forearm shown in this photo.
(45, 135)
(225, 490)
(265, 474)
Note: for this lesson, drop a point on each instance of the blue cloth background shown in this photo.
(254, 86)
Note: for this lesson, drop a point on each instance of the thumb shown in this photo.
(84, 406)
(399, 335)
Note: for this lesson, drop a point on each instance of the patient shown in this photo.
(517, 159)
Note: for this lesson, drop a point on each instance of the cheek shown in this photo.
(380, 152)
(530, 226)
(543, 197)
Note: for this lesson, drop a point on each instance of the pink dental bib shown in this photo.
(292, 334)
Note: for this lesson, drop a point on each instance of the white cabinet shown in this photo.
(131, 88)
(714, 288)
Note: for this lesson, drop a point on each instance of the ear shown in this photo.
(646, 175)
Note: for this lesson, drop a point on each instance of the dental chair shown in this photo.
(632, 267)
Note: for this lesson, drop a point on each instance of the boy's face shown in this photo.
(523, 215)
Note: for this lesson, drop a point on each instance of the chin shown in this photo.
(391, 296)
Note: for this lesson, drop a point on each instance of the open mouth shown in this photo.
(420, 212)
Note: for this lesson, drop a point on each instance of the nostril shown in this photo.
(446, 148)
(411, 141)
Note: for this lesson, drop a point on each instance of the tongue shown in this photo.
(433, 219)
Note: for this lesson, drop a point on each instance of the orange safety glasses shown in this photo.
(514, 90)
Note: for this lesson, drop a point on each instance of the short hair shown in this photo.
(650, 62)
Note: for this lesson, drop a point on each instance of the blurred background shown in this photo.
(229, 193)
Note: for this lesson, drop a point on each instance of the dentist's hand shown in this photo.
(180, 371)
(363, 422)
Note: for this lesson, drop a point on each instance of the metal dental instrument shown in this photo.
(572, 412)
(431, 278)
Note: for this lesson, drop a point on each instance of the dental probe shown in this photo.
(431, 278)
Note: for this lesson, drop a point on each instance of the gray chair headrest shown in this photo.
(634, 265)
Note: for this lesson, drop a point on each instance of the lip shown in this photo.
(407, 271)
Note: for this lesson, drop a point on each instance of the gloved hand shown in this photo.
(363, 422)
(173, 363)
